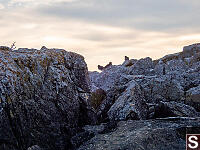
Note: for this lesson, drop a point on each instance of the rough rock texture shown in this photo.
(143, 66)
(172, 109)
(109, 78)
(193, 97)
(43, 98)
(164, 88)
(35, 147)
(130, 104)
(174, 77)
(149, 135)
(46, 97)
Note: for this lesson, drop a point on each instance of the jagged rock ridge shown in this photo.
(167, 89)
(43, 98)
(175, 77)
(46, 97)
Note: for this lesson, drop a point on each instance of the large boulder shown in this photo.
(43, 98)
(142, 66)
(160, 88)
(110, 98)
(130, 105)
(193, 97)
(165, 88)
(108, 78)
(190, 50)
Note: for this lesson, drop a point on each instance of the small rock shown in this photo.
(34, 147)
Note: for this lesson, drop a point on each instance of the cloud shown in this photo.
(103, 30)
(35, 2)
(148, 15)
(1, 6)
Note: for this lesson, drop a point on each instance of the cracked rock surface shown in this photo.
(43, 98)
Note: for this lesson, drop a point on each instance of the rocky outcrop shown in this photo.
(102, 68)
(48, 100)
(165, 90)
(145, 135)
(43, 98)
(173, 78)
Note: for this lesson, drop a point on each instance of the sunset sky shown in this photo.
(102, 30)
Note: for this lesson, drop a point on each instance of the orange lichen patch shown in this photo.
(11, 70)
(45, 62)
(19, 62)
(11, 114)
(60, 59)
(4, 48)
(31, 65)
(172, 57)
(9, 100)
(26, 77)
(58, 56)
(18, 73)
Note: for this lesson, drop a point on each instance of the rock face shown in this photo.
(102, 68)
(164, 88)
(173, 78)
(49, 101)
(43, 98)
(148, 135)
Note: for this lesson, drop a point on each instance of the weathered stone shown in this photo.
(102, 68)
(43, 98)
(35, 147)
(163, 88)
(193, 97)
(109, 77)
(130, 103)
(145, 135)
(111, 97)
(5, 48)
(174, 109)
(142, 67)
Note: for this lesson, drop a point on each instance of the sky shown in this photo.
(102, 30)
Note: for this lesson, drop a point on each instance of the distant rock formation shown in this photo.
(126, 58)
(102, 68)
(5, 48)
(172, 78)
(166, 90)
